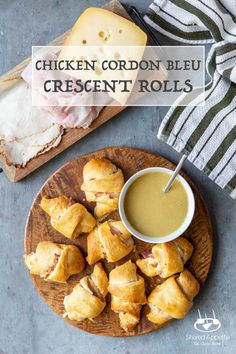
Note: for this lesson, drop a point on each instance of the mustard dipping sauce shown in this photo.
(151, 211)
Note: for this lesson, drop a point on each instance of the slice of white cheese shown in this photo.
(113, 38)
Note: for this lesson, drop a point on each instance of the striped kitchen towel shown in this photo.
(207, 133)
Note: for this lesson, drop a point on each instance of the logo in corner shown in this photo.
(207, 324)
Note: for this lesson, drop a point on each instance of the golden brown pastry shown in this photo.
(166, 259)
(87, 299)
(109, 240)
(68, 217)
(102, 184)
(173, 298)
(54, 261)
(127, 290)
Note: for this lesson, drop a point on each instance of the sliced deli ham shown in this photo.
(60, 105)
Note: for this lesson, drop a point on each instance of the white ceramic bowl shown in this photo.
(157, 239)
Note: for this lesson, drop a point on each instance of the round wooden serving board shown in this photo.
(67, 181)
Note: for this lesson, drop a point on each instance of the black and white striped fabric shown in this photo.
(206, 133)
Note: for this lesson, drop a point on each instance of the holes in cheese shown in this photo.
(104, 36)
(117, 56)
(98, 70)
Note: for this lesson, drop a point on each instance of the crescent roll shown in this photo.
(127, 290)
(87, 299)
(102, 183)
(166, 259)
(54, 261)
(109, 240)
(173, 298)
(68, 217)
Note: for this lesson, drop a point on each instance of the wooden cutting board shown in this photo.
(67, 180)
(70, 135)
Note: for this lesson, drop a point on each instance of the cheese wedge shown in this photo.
(113, 38)
(98, 26)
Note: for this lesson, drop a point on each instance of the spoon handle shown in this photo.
(176, 172)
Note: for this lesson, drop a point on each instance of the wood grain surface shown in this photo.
(67, 181)
(70, 136)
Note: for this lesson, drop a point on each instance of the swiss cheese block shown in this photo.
(109, 34)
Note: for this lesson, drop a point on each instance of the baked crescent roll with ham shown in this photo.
(166, 259)
(173, 298)
(109, 240)
(54, 261)
(87, 299)
(127, 290)
(68, 217)
(102, 183)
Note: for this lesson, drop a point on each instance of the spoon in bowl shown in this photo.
(175, 174)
